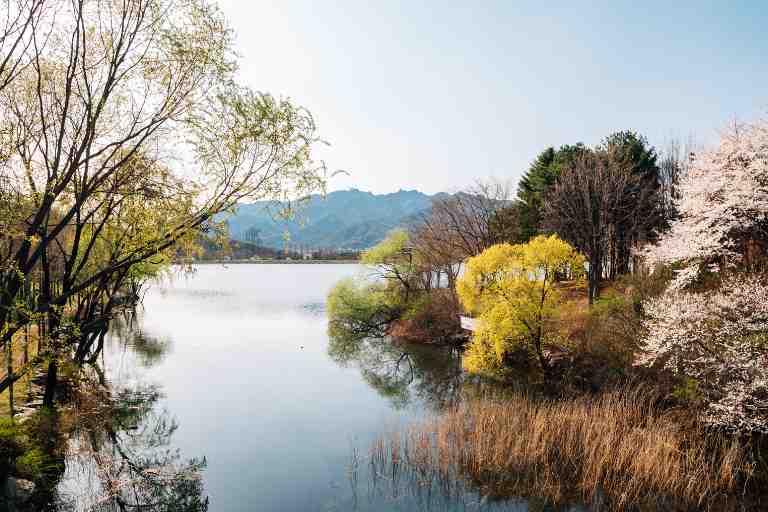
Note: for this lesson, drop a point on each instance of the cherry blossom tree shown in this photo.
(723, 206)
(718, 337)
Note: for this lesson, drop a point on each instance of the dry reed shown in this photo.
(617, 447)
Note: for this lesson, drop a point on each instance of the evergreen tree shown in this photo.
(536, 182)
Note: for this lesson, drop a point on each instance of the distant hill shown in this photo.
(349, 219)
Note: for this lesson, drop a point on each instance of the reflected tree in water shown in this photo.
(401, 372)
(120, 458)
(149, 350)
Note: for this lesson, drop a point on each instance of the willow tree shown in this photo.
(514, 291)
(123, 110)
(393, 261)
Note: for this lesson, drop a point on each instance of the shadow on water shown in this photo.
(429, 377)
(403, 469)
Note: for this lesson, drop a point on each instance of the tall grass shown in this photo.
(617, 447)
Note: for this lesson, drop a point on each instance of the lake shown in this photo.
(239, 369)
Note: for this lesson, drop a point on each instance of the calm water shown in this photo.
(240, 370)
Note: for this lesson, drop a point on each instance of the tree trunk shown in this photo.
(9, 362)
(50, 384)
(594, 276)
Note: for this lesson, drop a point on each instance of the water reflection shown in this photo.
(401, 372)
(119, 453)
(119, 457)
(250, 384)
(385, 476)
(126, 334)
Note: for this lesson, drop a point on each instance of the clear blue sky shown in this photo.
(433, 95)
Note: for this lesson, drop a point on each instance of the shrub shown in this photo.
(433, 317)
(11, 445)
(613, 330)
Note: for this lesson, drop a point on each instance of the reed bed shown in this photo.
(617, 448)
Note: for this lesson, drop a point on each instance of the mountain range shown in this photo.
(347, 219)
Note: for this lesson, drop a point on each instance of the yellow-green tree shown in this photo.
(393, 261)
(514, 291)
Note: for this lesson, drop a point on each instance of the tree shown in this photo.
(358, 309)
(535, 184)
(718, 339)
(367, 306)
(392, 260)
(711, 324)
(585, 204)
(673, 167)
(640, 216)
(126, 135)
(23, 20)
(723, 209)
(460, 226)
(514, 290)
(506, 224)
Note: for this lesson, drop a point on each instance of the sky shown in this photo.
(436, 95)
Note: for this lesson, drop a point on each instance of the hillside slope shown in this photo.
(349, 219)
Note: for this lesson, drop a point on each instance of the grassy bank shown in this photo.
(617, 447)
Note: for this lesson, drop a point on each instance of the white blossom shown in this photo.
(723, 202)
(717, 338)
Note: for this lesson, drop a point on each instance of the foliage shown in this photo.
(33, 463)
(11, 446)
(392, 260)
(21, 451)
(403, 297)
(513, 289)
(602, 205)
(639, 155)
(720, 339)
(613, 329)
(390, 251)
(400, 268)
(723, 208)
(125, 137)
(359, 308)
(434, 316)
(711, 323)
(535, 184)
(506, 224)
